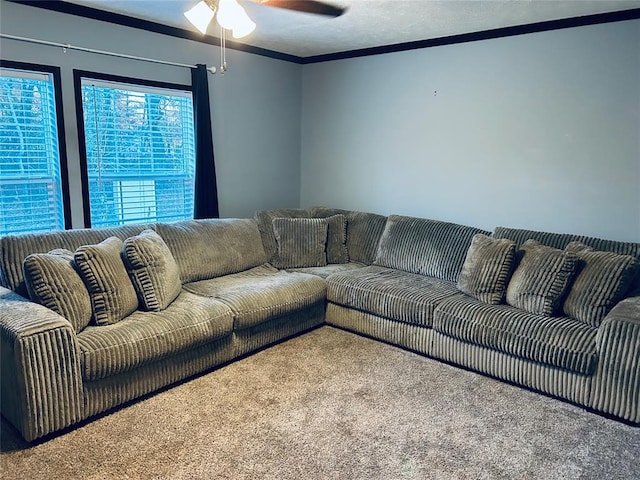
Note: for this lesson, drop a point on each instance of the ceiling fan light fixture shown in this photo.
(244, 26)
(230, 14)
(200, 16)
(244, 29)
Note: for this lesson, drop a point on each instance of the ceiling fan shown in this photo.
(231, 16)
(306, 6)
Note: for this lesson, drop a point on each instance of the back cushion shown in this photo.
(211, 248)
(264, 219)
(53, 281)
(15, 248)
(364, 231)
(561, 240)
(103, 273)
(152, 269)
(301, 242)
(428, 247)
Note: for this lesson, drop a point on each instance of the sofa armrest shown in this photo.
(41, 387)
(616, 387)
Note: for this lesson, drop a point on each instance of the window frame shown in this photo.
(78, 76)
(62, 143)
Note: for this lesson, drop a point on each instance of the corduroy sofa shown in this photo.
(452, 292)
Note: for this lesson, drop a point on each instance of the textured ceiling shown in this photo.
(370, 23)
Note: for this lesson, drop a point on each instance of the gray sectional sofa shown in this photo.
(89, 321)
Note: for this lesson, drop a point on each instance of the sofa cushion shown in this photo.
(428, 247)
(262, 293)
(541, 278)
(337, 239)
(152, 269)
(264, 220)
(103, 273)
(393, 294)
(330, 269)
(602, 281)
(145, 337)
(520, 236)
(557, 341)
(53, 281)
(15, 248)
(487, 268)
(214, 247)
(364, 231)
(301, 242)
(561, 240)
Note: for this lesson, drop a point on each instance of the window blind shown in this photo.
(31, 197)
(140, 153)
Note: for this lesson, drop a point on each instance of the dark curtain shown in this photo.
(206, 190)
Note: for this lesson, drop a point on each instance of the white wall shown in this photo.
(539, 131)
(255, 105)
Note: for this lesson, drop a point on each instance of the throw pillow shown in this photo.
(487, 268)
(541, 279)
(337, 239)
(52, 281)
(102, 270)
(602, 281)
(152, 269)
(301, 242)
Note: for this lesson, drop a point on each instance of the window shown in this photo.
(32, 198)
(140, 152)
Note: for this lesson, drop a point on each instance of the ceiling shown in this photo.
(369, 23)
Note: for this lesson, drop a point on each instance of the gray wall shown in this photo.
(538, 131)
(255, 105)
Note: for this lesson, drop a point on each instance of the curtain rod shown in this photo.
(66, 46)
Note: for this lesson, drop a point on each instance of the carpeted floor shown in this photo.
(333, 405)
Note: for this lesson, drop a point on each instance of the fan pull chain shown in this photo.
(223, 51)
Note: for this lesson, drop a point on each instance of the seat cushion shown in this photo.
(262, 293)
(330, 269)
(393, 294)
(144, 337)
(557, 341)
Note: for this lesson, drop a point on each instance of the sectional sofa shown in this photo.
(91, 319)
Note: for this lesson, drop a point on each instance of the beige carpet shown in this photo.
(333, 405)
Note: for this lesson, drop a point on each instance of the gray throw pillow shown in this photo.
(541, 278)
(602, 280)
(52, 281)
(337, 239)
(103, 273)
(301, 242)
(487, 268)
(152, 269)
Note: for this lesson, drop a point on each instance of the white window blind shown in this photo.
(31, 197)
(140, 151)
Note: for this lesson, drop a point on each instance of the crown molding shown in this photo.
(119, 19)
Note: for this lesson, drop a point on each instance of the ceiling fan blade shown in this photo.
(306, 6)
